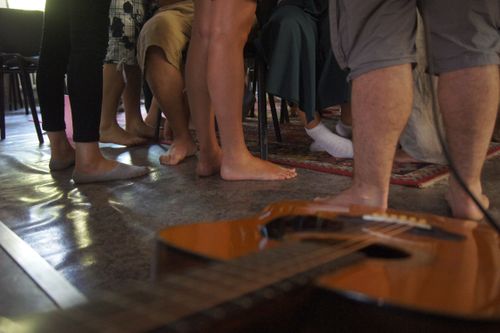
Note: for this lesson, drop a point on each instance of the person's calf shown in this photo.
(462, 205)
(496, 132)
(62, 154)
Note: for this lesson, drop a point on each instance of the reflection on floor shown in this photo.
(102, 235)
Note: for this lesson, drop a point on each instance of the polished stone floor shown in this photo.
(102, 235)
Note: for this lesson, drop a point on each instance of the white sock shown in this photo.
(316, 147)
(335, 145)
(343, 130)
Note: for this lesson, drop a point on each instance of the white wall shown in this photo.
(23, 4)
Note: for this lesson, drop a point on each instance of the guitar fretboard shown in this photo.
(186, 301)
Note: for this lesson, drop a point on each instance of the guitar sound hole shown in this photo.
(375, 251)
(384, 252)
(278, 228)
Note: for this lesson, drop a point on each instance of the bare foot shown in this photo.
(178, 151)
(116, 134)
(140, 129)
(356, 196)
(462, 206)
(95, 166)
(209, 163)
(253, 168)
(403, 157)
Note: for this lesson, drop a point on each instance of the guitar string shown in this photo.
(332, 253)
(359, 243)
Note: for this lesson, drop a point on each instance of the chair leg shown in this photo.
(276, 122)
(254, 87)
(284, 116)
(23, 92)
(11, 99)
(30, 97)
(262, 116)
(20, 101)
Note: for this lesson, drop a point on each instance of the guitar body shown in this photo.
(305, 267)
(421, 273)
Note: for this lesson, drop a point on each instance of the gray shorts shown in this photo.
(373, 34)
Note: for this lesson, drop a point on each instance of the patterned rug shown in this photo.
(294, 151)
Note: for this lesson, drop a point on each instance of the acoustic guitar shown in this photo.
(306, 267)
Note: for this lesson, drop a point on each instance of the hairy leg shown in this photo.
(230, 24)
(132, 102)
(496, 132)
(468, 100)
(110, 131)
(167, 85)
(378, 122)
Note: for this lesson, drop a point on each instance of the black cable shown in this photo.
(489, 218)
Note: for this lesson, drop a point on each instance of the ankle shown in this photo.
(371, 195)
(473, 185)
(104, 126)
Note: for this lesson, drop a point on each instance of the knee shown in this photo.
(288, 24)
(289, 19)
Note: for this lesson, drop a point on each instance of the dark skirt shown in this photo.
(301, 65)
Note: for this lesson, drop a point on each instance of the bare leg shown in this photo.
(210, 155)
(469, 102)
(346, 114)
(62, 154)
(110, 131)
(152, 115)
(311, 124)
(496, 132)
(132, 103)
(167, 85)
(152, 118)
(378, 122)
(344, 125)
(89, 159)
(229, 27)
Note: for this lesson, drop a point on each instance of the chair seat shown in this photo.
(14, 61)
(19, 42)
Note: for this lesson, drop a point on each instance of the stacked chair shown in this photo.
(19, 48)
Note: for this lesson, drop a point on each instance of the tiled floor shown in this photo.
(102, 235)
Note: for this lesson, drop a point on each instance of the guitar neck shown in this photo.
(200, 296)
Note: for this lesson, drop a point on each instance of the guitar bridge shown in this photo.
(411, 221)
